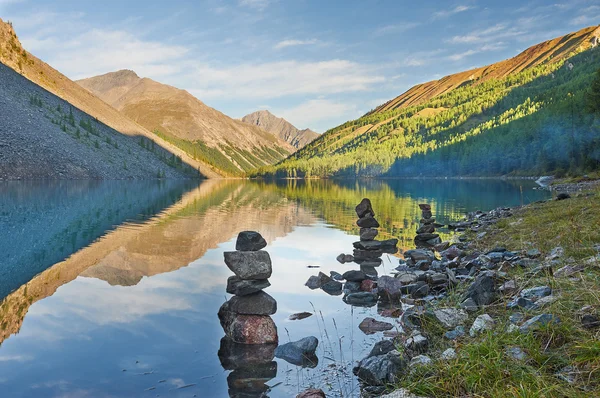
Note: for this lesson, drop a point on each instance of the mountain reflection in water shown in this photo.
(90, 308)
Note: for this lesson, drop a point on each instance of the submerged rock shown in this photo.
(300, 353)
(250, 241)
(354, 276)
(249, 265)
(333, 288)
(361, 299)
(234, 355)
(251, 381)
(371, 326)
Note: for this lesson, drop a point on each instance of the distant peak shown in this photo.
(125, 73)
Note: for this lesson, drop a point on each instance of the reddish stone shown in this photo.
(368, 285)
(248, 329)
(311, 393)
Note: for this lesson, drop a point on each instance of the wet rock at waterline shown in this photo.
(259, 303)
(299, 316)
(250, 241)
(249, 265)
(361, 299)
(354, 276)
(243, 287)
(247, 329)
(371, 326)
(333, 288)
(299, 353)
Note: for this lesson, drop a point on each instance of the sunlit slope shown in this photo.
(228, 145)
(519, 116)
(13, 55)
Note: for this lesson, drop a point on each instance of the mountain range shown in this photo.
(526, 115)
(280, 128)
(226, 144)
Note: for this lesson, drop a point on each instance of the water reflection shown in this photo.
(134, 310)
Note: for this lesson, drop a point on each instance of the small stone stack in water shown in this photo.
(246, 317)
(368, 251)
(426, 236)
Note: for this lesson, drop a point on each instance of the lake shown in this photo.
(111, 289)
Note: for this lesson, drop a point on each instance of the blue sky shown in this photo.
(316, 63)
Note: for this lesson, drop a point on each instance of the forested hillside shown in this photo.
(536, 120)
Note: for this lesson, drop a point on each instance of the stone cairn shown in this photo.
(248, 347)
(426, 236)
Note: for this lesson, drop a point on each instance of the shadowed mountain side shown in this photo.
(281, 128)
(13, 55)
(163, 244)
(176, 115)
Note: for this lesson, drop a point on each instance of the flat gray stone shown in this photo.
(259, 303)
(243, 287)
(250, 241)
(249, 265)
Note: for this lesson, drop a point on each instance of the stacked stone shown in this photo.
(245, 318)
(426, 236)
(368, 251)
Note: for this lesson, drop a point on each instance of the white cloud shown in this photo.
(455, 10)
(491, 34)
(459, 56)
(291, 43)
(313, 111)
(280, 78)
(15, 358)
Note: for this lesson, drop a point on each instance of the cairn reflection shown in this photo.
(248, 348)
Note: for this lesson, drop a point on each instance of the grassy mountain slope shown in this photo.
(175, 115)
(280, 128)
(13, 55)
(525, 115)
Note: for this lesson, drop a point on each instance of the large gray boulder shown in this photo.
(249, 264)
(250, 241)
(259, 303)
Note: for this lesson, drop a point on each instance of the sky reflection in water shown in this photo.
(134, 313)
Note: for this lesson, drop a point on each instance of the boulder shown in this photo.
(259, 303)
(299, 353)
(483, 290)
(419, 254)
(382, 347)
(537, 322)
(381, 369)
(249, 265)
(482, 322)
(367, 221)
(371, 326)
(333, 288)
(389, 288)
(417, 343)
(536, 292)
(250, 241)
(450, 318)
(243, 287)
(354, 276)
(247, 329)
(364, 208)
(367, 234)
